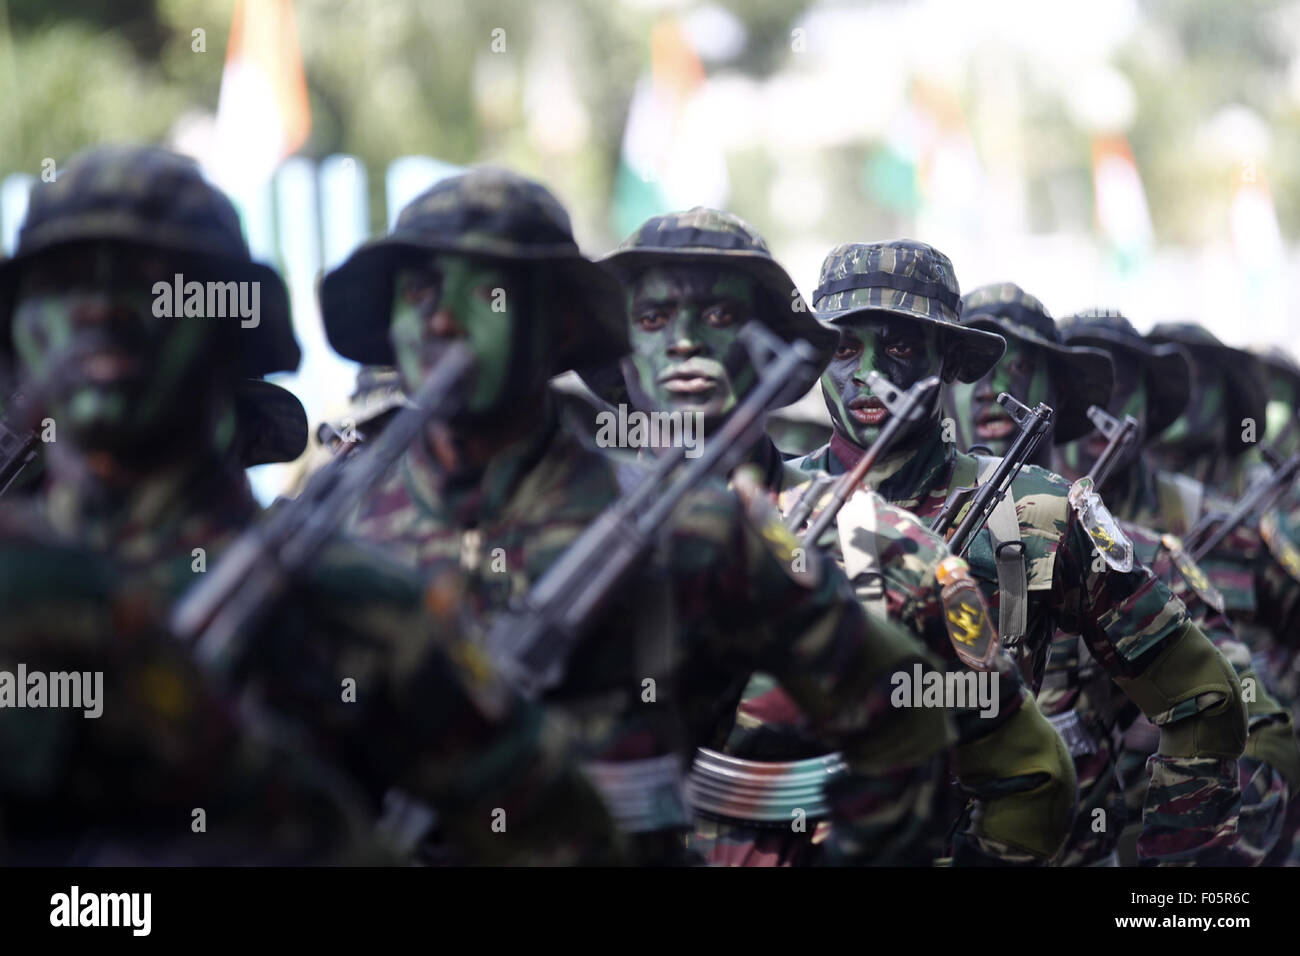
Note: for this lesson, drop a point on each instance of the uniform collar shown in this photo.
(903, 476)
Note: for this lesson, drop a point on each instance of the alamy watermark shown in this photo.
(214, 300)
(636, 429)
(76, 690)
(952, 689)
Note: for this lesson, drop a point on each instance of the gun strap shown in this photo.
(856, 524)
(1008, 557)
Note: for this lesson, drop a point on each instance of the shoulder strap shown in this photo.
(1009, 559)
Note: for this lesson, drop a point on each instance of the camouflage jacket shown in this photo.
(349, 661)
(1010, 762)
(662, 669)
(1124, 618)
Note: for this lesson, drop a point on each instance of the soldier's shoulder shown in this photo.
(814, 461)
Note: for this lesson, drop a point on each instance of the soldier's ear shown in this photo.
(953, 357)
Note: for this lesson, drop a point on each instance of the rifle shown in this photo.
(18, 441)
(1119, 435)
(1259, 498)
(217, 615)
(531, 642)
(904, 407)
(1034, 424)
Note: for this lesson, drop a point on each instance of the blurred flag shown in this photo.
(1119, 201)
(1261, 257)
(262, 114)
(670, 158)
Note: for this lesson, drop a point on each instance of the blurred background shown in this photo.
(1139, 154)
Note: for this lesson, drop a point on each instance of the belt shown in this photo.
(760, 791)
(641, 795)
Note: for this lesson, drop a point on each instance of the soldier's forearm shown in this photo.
(1192, 694)
(1024, 778)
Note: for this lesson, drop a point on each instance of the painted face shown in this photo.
(1025, 373)
(683, 323)
(1201, 423)
(87, 339)
(902, 351)
(1127, 397)
(448, 298)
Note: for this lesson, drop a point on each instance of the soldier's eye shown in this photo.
(652, 320)
(901, 351)
(719, 317)
(847, 350)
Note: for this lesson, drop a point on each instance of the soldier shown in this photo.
(1243, 579)
(897, 306)
(144, 488)
(495, 496)
(1084, 702)
(693, 279)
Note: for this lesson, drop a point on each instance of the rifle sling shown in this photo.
(1004, 529)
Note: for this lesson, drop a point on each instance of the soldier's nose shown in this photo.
(683, 348)
(95, 310)
(984, 388)
(444, 325)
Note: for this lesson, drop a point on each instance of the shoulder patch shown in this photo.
(965, 615)
(1100, 526)
(1192, 573)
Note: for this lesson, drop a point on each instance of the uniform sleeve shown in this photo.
(1140, 633)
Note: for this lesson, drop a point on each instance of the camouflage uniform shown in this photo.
(1012, 764)
(1137, 631)
(87, 570)
(661, 669)
(1218, 591)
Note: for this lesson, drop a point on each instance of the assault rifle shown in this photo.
(218, 614)
(1213, 528)
(1034, 423)
(531, 642)
(1119, 435)
(904, 407)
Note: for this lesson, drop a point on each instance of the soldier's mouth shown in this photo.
(687, 383)
(868, 411)
(992, 426)
(108, 366)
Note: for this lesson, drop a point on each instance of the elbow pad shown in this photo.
(1192, 694)
(1037, 819)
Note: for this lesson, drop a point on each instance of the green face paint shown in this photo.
(683, 323)
(903, 351)
(88, 340)
(1024, 373)
(451, 298)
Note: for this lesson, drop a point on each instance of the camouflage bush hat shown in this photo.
(1168, 380)
(1086, 374)
(488, 213)
(271, 422)
(714, 237)
(906, 278)
(151, 197)
(1246, 395)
